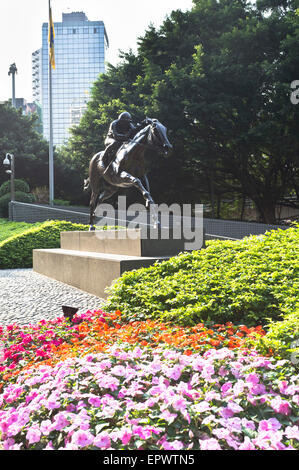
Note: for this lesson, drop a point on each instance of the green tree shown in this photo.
(218, 76)
(18, 136)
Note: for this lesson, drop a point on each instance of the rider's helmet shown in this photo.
(125, 116)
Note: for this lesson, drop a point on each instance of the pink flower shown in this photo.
(102, 440)
(119, 371)
(174, 372)
(281, 406)
(82, 438)
(209, 444)
(253, 378)
(271, 424)
(225, 389)
(33, 435)
(60, 422)
(238, 388)
(126, 437)
(201, 407)
(208, 371)
(226, 413)
(45, 426)
(174, 445)
(179, 403)
(234, 407)
(169, 417)
(292, 432)
(247, 444)
(95, 401)
(258, 389)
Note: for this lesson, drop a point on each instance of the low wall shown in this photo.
(214, 228)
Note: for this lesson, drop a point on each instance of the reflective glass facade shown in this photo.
(80, 47)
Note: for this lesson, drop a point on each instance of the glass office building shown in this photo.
(80, 47)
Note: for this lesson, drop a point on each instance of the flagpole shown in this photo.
(51, 158)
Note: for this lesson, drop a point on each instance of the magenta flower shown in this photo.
(226, 413)
(33, 435)
(253, 378)
(247, 444)
(209, 444)
(226, 388)
(82, 438)
(126, 437)
(179, 403)
(271, 424)
(102, 440)
(280, 406)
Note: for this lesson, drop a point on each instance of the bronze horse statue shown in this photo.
(129, 168)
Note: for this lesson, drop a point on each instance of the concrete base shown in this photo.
(88, 271)
(91, 261)
(122, 242)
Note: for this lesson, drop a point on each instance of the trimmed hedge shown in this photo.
(20, 185)
(16, 251)
(19, 196)
(246, 281)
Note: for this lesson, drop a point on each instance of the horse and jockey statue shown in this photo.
(124, 162)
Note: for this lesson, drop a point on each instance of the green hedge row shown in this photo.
(20, 185)
(16, 251)
(19, 196)
(246, 282)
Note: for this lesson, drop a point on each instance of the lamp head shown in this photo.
(6, 161)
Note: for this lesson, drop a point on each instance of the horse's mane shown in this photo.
(141, 132)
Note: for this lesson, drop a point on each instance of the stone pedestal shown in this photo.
(91, 261)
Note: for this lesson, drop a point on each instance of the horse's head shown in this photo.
(159, 137)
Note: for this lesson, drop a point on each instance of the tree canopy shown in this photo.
(218, 76)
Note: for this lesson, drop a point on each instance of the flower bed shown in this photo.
(98, 383)
(52, 341)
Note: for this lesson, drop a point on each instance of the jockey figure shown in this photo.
(121, 130)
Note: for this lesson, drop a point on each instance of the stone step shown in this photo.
(129, 242)
(88, 271)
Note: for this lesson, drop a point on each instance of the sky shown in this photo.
(21, 30)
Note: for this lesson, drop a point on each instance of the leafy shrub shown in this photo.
(282, 338)
(61, 202)
(16, 251)
(41, 194)
(19, 196)
(20, 185)
(244, 281)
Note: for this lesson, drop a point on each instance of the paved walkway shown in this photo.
(27, 297)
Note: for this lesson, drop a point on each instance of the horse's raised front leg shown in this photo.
(129, 179)
(146, 183)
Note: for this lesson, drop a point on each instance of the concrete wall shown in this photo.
(214, 228)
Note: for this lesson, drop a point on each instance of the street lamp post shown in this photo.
(12, 71)
(9, 164)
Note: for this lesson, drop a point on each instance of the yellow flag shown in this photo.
(51, 38)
